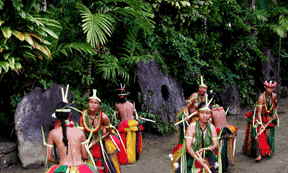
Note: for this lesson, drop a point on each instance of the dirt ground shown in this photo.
(154, 158)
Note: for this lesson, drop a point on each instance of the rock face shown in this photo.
(32, 112)
(8, 154)
(230, 98)
(271, 67)
(161, 94)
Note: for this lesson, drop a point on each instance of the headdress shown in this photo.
(202, 83)
(206, 107)
(270, 84)
(94, 96)
(65, 108)
(122, 91)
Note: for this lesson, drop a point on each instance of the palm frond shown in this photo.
(261, 15)
(111, 69)
(281, 28)
(97, 27)
(143, 19)
(83, 48)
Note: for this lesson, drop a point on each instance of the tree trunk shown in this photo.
(44, 5)
(253, 4)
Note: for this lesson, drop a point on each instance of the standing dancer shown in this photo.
(260, 132)
(104, 145)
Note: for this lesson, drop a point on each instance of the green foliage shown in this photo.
(28, 37)
(160, 127)
(98, 26)
(110, 112)
(111, 68)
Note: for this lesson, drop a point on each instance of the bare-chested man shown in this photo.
(198, 97)
(228, 135)
(219, 117)
(263, 123)
(97, 122)
(192, 104)
(129, 128)
(125, 109)
(69, 144)
(201, 143)
(194, 101)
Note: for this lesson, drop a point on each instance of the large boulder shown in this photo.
(161, 94)
(230, 98)
(32, 112)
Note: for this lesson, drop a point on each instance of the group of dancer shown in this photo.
(207, 142)
(93, 144)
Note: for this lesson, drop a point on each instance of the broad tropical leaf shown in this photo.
(83, 48)
(97, 27)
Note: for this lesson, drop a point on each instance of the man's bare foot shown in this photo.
(258, 159)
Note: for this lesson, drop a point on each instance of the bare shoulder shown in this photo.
(212, 127)
(192, 125)
(52, 132)
(193, 95)
(80, 132)
(77, 130)
(105, 118)
(117, 104)
(130, 103)
(191, 129)
(274, 95)
(261, 97)
(104, 115)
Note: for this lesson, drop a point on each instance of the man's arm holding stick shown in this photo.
(196, 155)
(141, 118)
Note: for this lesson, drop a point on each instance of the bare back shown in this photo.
(125, 110)
(219, 118)
(76, 151)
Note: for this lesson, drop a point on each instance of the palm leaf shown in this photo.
(111, 69)
(7, 32)
(97, 27)
(83, 48)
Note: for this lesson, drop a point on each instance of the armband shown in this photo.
(49, 145)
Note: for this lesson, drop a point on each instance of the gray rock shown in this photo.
(32, 112)
(7, 147)
(271, 67)
(161, 94)
(8, 154)
(230, 98)
(8, 159)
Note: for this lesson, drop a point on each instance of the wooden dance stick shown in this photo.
(186, 118)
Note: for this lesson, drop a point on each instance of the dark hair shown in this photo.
(62, 116)
(201, 105)
(121, 99)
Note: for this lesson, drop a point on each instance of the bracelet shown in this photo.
(49, 145)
